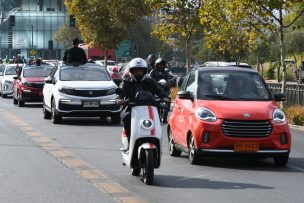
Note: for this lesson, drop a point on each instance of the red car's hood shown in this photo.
(34, 79)
(257, 110)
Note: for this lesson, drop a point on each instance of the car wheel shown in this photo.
(281, 160)
(172, 149)
(56, 119)
(193, 155)
(46, 113)
(135, 171)
(115, 118)
(3, 95)
(20, 102)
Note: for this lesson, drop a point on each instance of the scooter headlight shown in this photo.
(278, 116)
(205, 115)
(147, 124)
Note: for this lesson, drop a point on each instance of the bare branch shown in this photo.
(294, 20)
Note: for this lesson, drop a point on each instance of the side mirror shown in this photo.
(49, 80)
(16, 77)
(185, 95)
(279, 97)
(118, 91)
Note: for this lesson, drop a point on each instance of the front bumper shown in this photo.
(31, 95)
(7, 88)
(73, 106)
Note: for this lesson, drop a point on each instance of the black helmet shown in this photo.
(151, 59)
(160, 62)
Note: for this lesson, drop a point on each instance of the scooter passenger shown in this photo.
(139, 80)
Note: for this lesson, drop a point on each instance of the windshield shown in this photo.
(1, 70)
(10, 70)
(230, 85)
(37, 71)
(84, 73)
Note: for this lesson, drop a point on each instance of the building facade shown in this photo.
(32, 29)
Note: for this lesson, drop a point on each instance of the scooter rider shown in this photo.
(160, 72)
(151, 62)
(139, 80)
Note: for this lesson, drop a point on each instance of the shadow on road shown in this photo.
(88, 122)
(185, 182)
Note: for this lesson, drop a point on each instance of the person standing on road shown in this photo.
(75, 54)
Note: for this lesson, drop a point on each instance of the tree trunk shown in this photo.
(282, 51)
(188, 57)
(105, 60)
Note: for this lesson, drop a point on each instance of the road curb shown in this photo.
(297, 127)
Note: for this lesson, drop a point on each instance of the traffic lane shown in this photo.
(98, 143)
(29, 174)
(297, 153)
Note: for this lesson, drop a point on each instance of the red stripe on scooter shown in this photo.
(151, 145)
(151, 115)
(124, 133)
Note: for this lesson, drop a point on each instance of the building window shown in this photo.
(40, 4)
(50, 9)
(59, 4)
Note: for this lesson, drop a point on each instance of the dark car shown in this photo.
(28, 85)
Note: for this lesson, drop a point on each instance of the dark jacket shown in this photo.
(130, 87)
(158, 74)
(75, 55)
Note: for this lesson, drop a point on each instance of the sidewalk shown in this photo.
(297, 127)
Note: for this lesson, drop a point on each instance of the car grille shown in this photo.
(246, 129)
(35, 85)
(90, 93)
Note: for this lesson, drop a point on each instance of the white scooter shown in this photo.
(144, 152)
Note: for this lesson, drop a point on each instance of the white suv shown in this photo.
(110, 65)
(85, 90)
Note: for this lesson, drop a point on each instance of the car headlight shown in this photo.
(147, 124)
(278, 116)
(205, 115)
(111, 91)
(65, 90)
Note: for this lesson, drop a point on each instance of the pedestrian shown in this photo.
(75, 54)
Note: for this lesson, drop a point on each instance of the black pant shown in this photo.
(126, 119)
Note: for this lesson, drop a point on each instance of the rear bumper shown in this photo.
(232, 153)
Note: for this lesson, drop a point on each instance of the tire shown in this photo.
(281, 160)
(15, 101)
(3, 95)
(193, 156)
(135, 171)
(46, 113)
(171, 145)
(115, 118)
(20, 103)
(56, 119)
(148, 167)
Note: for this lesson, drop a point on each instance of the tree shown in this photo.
(176, 20)
(65, 34)
(104, 23)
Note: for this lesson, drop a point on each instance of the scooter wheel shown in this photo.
(135, 171)
(148, 167)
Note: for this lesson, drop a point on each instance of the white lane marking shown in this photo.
(184, 179)
(295, 167)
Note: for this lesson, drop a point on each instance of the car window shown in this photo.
(111, 63)
(84, 73)
(232, 85)
(1, 70)
(191, 83)
(184, 81)
(10, 70)
(37, 71)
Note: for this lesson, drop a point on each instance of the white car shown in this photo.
(85, 90)
(6, 86)
(2, 67)
(110, 65)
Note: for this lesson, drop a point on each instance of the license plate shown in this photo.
(246, 146)
(90, 104)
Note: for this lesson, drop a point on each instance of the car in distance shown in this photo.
(28, 85)
(82, 90)
(7, 79)
(228, 111)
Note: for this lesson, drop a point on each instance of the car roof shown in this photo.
(226, 68)
(224, 64)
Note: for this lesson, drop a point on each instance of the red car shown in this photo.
(228, 111)
(28, 85)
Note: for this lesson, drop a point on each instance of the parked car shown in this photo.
(228, 111)
(7, 79)
(2, 67)
(84, 90)
(28, 85)
(110, 65)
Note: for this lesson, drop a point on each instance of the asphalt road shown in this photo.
(79, 161)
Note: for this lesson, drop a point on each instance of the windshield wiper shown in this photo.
(219, 97)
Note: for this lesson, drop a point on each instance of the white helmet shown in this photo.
(138, 63)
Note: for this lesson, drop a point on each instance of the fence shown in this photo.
(294, 93)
